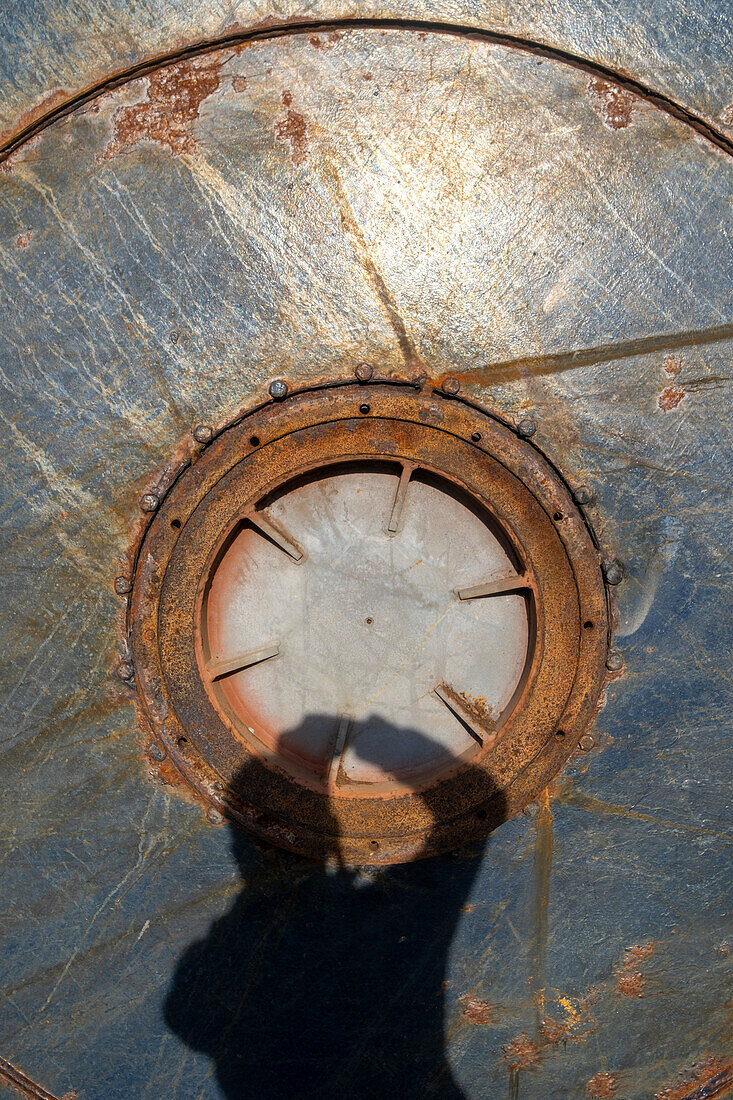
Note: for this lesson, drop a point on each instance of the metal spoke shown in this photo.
(400, 495)
(338, 749)
(500, 587)
(452, 700)
(276, 534)
(217, 669)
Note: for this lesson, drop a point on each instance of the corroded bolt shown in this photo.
(613, 572)
(615, 661)
(586, 742)
(155, 752)
(451, 386)
(149, 502)
(125, 671)
(278, 389)
(364, 372)
(214, 817)
(531, 810)
(123, 585)
(527, 426)
(203, 433)
(583, 495)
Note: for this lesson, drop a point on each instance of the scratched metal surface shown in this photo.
(428, 204)
(679, 48)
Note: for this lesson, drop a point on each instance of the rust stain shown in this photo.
(172, 104)
(33, 114)
(630, 980)
(577, 1021)
(522, 1053)
(325, 41)
(544, 844)
(293, 128)
(24, 239)
(239, 83)
(672, 365)
(476, 1011)
(552, 1032)
(603, 1085)
(670, 397)
(714, 1077)
(614, 104)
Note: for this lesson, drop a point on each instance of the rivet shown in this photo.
(155, 752)
(203, 433)
(123, 585)
(583, 495)
(615, 661)
(149, 502)
(613, 572)
(586, 742)
(451, 386)
(527, 426)
(278, 389)
(214, 817)
(531, 810)
(364, 371)
(125, 671)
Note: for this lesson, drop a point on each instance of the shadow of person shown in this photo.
(324, 980)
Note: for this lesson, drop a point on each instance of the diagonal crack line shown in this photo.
(355, 234)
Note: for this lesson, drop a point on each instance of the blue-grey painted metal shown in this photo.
(430, 204)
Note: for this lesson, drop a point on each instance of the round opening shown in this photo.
(175, 524)
(588, 624)
(364, 408)
(284, 653)
(557, 516)
(559, 734)
(476, 437)
(254, 441)
(374, 845)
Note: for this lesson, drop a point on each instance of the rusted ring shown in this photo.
(232, 765)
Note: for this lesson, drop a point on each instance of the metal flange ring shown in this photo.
(369, 623)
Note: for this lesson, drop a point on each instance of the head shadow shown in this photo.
(325, 979)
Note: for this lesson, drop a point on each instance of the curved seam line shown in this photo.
(144, 68)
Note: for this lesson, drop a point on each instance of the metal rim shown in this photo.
(530, 503)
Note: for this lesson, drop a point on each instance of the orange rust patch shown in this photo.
(476, 1011)
(613, 103)
(173, 102)
(239, 83)
(293, 129)
(670, 397)
(630, 981)
(325, 42)
(33, 114)
(522, 1053)
(603, 1085)
(672, 366)
(553, 1032)
(714, 1077)
(24, 240)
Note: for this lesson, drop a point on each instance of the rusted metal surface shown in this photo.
(459, 209)
(205, 728)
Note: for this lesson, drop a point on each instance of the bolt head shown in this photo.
(583, 495)
(203, 433)
(156, 752)
(278, 389)
(531, 810)
(125, 671)
(613, 572)
(123, 585)
(586, 742)
(214, 816)
(615, 661)
(527, 426)
(364, 371)
(451, 386)
(149, 502)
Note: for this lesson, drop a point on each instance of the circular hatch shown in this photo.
(368, 619)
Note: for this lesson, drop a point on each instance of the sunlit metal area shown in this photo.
(365, 393)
